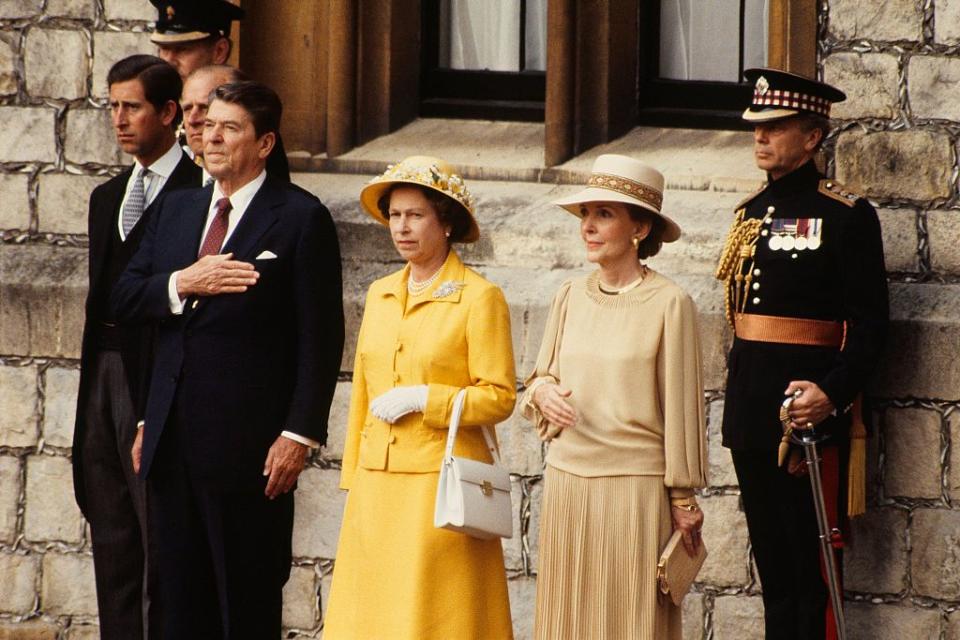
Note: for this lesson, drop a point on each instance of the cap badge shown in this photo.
(762, 86)
(171, 12)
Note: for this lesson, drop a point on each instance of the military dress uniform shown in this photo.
(807, 297)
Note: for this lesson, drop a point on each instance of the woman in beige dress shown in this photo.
(617, 393)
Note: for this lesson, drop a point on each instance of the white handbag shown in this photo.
(473, 497)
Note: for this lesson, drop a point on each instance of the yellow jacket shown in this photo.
(461, 339)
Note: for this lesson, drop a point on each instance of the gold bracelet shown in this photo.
(692, 508)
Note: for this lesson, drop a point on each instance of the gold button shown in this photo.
(363, 434)
(756, 286)
(764, 232)
(396, 377)
(399, 346)
(829, 185)
(392, 439)
(770, 209)
(756, 272)
(756, 301)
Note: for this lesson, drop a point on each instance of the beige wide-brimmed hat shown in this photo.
(425, 171)
(616, 178)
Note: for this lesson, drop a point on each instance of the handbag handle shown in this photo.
(455, 426)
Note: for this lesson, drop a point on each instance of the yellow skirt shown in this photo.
(398, 577)
(600, 540)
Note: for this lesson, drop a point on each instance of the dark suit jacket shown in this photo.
(235, 370)
(104, 212)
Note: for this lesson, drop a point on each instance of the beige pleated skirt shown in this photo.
(600, 540)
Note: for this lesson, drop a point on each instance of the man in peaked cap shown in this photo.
(194, 33)
(807, 298)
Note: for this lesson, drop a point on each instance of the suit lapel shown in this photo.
(190, 223)
(106, 223)
(258, 217)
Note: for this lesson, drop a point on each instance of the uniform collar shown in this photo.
(450, 280)
(797, 180)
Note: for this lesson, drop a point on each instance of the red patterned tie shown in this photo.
(218, 229)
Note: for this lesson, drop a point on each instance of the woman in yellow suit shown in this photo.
(428, 330)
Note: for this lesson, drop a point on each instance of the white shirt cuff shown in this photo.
(176, 304)
(296, 437)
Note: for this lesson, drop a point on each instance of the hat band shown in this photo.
(791, 100)
(627, 187)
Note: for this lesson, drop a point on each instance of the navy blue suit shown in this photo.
(229, 375)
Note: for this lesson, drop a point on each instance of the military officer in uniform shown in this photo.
(194, 33)
(806, 293)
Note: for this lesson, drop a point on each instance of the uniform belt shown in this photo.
(819, 333)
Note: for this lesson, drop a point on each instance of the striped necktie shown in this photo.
(136, 202)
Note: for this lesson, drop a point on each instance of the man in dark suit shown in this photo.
(143, 104)
(243, 277)
(807, 297)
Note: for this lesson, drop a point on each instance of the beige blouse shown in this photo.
(632, 362)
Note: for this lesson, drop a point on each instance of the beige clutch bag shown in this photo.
(677, 570)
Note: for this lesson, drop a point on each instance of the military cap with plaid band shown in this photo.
(181, 21)
(779, 94)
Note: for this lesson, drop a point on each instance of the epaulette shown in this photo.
(746, 201)
(835, 190)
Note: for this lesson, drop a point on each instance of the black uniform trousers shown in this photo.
(116, 507)
(785, 540)
(223, 550)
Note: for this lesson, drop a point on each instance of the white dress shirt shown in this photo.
(157, 175)
(240, 201)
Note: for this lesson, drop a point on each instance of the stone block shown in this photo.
(8, 67)
(18, 575)
(892, 20)
(738, 618)
(694, 624)
(90, 139)
(20, 8)
(725, 534)
(110, 47)
(525, 536)
(946, 21)
(301, 599)
(953, 480)
(943, 231)
(891, 622)
(28, 134)
(51, 512)
(520, 447)
(337, 423)
(523, 605)
(10, 486)
(128, 10)
(42, 293)
(875, 163)
(18, 397)
(15, 213)
(720, 472)
(933, 87)
(62, 202)
(319, 510)
(83, 632)
(55, 64)
(29, 630)
(326, 581)
(912, 438)
(60, 406)
(935, 561)
(81, 9)
(868, 79)
(900, 241)
(953, 626)
(875, 560)
(67, 586)
(925, 330)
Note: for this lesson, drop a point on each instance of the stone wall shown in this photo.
(896, 141)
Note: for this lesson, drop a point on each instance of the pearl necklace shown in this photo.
(415, 287)
(629, 287)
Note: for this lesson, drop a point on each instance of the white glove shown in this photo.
(399, 401)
